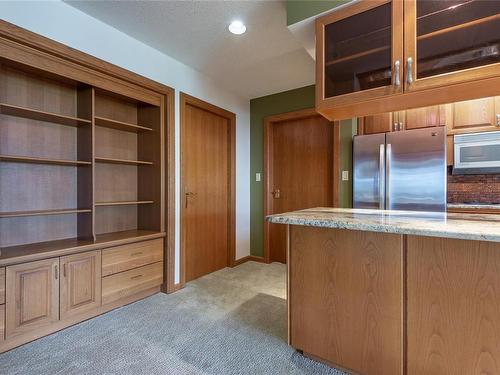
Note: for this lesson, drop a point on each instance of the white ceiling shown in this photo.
(265, 60)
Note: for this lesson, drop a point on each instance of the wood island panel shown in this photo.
(346, 298)
(453, 306)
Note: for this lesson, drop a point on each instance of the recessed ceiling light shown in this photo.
(237, 27)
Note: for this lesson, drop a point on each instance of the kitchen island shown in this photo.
(395, 292)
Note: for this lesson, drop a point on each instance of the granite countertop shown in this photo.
(473, 206)
(435, 224)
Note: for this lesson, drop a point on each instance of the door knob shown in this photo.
(276, 193)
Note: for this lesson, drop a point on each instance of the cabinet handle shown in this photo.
(64, 269)
(395, 127)
(397, 81)
(56, 273)
(136, 254)
(409, 77)
(400, 126)
(135, 277)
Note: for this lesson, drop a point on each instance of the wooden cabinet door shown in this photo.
(424, 117)
(453, 314)
(450, 42)
(473, 116)
(80, 283)
(380, 123)
(359, 50)
(32, 296)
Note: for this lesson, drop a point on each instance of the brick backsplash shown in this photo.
(483, 188)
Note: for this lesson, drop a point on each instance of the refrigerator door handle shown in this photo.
(381, 177)
(388, 157)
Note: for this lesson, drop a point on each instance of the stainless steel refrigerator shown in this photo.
(404, 170)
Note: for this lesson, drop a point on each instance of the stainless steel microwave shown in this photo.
(477, 153)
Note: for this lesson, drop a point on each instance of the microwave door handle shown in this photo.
(388, 174)
(381, 177)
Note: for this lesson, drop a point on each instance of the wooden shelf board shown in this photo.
(44, 250)
(122, 203)
(35, 160)
(122, 161)
(120, 125)
(35, 114)
(63, 211)
(357, 55)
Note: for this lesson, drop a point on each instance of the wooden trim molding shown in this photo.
(268, 164)
(249, 258)
(185, 100)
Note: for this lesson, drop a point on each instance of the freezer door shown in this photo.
(369, 166)
(416, 170)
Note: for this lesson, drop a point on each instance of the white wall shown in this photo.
(63, 23)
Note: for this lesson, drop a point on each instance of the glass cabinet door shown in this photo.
(359, 53)
(451, 41)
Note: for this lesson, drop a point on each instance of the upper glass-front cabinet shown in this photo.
(450, 41)
(361, 50)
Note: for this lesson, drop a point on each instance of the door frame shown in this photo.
(268, 164)
(186, 100)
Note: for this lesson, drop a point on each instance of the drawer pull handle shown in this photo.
(135, 254)
(135, 277)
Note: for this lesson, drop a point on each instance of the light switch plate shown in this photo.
(345, 175)
(257, 177)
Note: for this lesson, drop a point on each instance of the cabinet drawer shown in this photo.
(126, 257)
(130, 282)
(2, 285)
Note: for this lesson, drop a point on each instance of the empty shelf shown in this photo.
(35, 114)
(122, 161)
(62, 211)
(120, 125)
(35, 160)
(122, 203)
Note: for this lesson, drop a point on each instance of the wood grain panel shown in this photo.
(2, 285)
(206, 173)
(473, 115)
(2, 323)
(111, 219)
(380, 123)
(453, 307)
(300, 152)
(32, 296)
(115, 182)
(124, 284)
(346, 298)
(123, 258)
(80, 283)
(424, 117)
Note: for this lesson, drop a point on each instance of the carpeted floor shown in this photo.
(230, 322)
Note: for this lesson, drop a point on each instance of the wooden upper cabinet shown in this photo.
(32, 296)
(450, 41)
(380, 123)
(80, 283)
(425, 117)
(359, 49)
(474, 115)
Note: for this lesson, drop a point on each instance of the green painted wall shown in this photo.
(298, 10)
(283, 102)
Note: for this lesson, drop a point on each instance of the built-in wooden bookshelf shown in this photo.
(77, 162)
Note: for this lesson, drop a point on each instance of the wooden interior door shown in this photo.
(32, 296)
(300, 156)
(206, 173)
(80, 283)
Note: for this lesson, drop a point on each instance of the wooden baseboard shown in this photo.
(16, 341)
(249, 258)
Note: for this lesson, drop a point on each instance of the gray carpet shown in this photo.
(230, 322)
